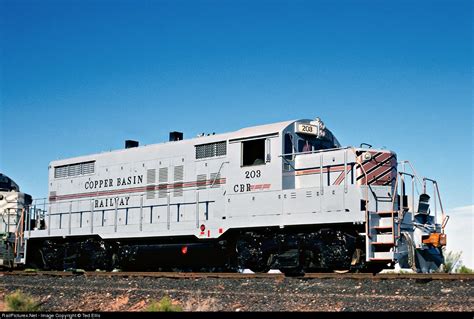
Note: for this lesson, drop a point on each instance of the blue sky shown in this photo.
(80, 77)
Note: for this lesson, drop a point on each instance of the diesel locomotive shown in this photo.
(283, 196)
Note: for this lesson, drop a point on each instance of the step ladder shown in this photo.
(381, 236)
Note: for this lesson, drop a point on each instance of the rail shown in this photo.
(237, 275)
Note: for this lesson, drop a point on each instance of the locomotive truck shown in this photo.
(283, 196)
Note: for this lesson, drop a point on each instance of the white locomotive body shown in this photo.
(14, 206)
(285, 196)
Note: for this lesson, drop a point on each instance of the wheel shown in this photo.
(260, 269)
(11, 265)
(341, 271)
(373, 268)
(251, 254)
(292, 272)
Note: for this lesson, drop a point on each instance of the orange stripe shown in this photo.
(337, 168)
(132, 190)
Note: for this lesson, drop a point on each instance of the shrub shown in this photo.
(465, 270)
(451, 261)
(30, 270)
(19, 301)
(165, 304)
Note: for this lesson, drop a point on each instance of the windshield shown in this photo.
(308, 143)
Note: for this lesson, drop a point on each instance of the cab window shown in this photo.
(309, 144)
(305, 146)
(253, 152)
(288, 144)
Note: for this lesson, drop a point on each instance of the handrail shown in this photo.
(395, 190)
(436, 197)
(288, 162)
(19, 232)
(412, 193)
(316, 151)
(413, 170)
(445, 221)
(218, 172)
(367, 232)
(444, 218)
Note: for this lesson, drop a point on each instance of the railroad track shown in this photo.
(195, 275)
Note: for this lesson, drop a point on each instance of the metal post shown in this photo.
(92, 216)
(168, 211)
(23, 212)
(321, 174)
(29, 220)
(443, 215)
(49, 219)
(402, 186)
(436, 208)
(402, 194)
(25, 249)
(345, 171)
(412, 198)
(197, 209)
(70, 215)
(141, 212)
(116, 217)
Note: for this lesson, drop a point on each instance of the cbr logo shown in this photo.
(240, 188)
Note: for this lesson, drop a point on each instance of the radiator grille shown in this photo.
(201, 181)
(150, 180)
(72, 170)
(163, 180)
(151, 176)
(178, 177)
(178, 189)
(211, 150)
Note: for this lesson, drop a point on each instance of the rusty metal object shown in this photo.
(436, 239)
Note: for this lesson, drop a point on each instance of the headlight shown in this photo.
(367, 156)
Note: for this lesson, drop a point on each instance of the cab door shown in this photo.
(253, 178)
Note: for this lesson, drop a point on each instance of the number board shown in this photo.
(307, 129)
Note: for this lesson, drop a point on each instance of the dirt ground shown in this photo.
(91, 294)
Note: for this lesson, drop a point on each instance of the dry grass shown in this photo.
(198, 303)
(19, 301)
(165, 305)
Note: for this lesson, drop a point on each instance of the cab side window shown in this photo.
(304, 146)
(253, 152)
(288, 146)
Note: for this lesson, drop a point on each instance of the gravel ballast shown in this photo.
(90, 294)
